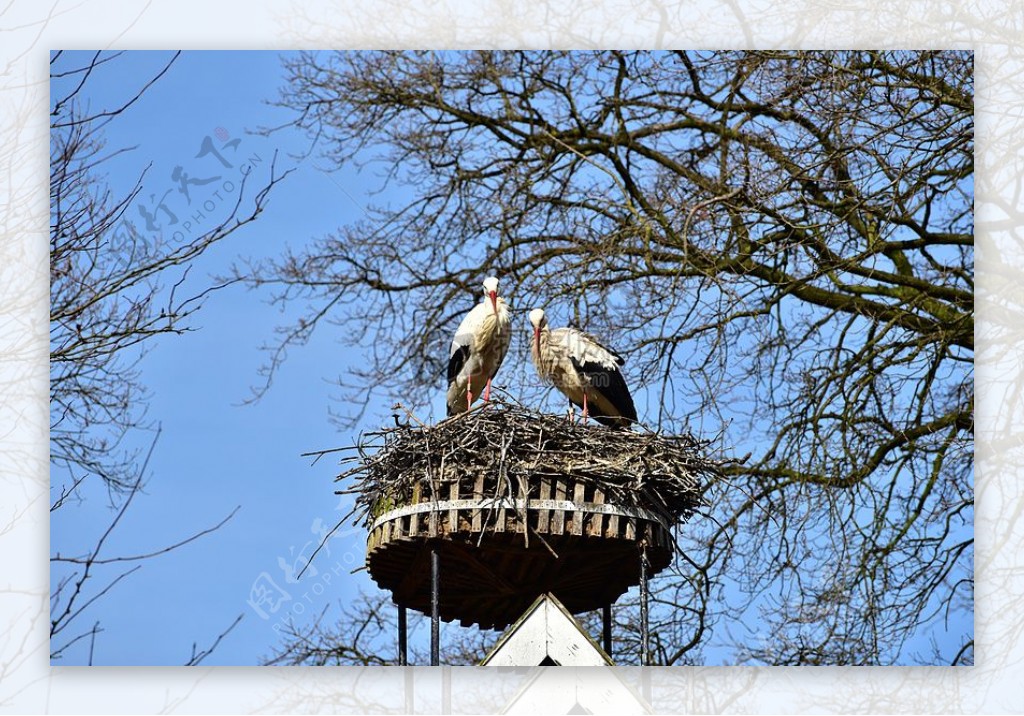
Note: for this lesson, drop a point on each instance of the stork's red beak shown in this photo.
(494, 301)
(536, 338)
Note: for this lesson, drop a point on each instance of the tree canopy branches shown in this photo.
(782, 241)
(114, 284)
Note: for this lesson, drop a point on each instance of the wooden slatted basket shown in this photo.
(520, 504)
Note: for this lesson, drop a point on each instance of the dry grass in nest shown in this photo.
(514, 447)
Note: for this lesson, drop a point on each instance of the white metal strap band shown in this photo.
(508, 504)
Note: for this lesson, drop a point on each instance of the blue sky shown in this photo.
(213, 453)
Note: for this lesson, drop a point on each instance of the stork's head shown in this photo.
(538, 321)
(491, 291)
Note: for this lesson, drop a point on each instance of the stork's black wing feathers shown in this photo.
(610, 383)
(455, 363)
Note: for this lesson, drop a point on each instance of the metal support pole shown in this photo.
(606, 618)
(435, 599)
(403, 649)
(645, 647)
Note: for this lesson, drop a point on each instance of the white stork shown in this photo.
(479, 346)
(583, 369)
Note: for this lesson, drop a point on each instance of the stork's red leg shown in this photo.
(487, 391)
(584, 407)
(469, 396)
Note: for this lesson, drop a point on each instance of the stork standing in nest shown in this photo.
(480, 344)
(587, 372)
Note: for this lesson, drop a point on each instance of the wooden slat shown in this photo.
(577, 515)
(414, 520)
(478, 494)
(613, 526)
(523, 516)
(596, 526)
(499, 520)
(630, 529)
(453, 514)
(544, 516)
(558, 516)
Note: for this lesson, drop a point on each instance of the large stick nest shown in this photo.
(513, 447)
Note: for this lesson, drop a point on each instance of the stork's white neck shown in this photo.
(541, 354)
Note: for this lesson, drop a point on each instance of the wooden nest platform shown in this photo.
(518, 504)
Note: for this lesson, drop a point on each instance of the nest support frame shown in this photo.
(499, 554)
(473, 518)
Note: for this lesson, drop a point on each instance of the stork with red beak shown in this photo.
(480, 344)
(584, 370)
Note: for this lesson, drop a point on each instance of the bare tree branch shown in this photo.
(197, 657)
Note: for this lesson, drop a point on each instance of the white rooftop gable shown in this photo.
(546, 631)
